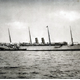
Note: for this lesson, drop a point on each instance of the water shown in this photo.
(39, 64)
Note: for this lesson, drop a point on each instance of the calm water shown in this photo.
(39, 64)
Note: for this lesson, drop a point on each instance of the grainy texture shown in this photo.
(39, 64)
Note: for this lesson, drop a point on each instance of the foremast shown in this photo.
(30, 36)
(71, 37)
(9, 36)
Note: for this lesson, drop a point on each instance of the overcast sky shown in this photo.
(18, 15)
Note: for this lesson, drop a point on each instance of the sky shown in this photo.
(58, 15)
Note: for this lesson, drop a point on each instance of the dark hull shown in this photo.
(44, 48)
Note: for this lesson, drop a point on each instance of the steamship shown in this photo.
(40, 47)
(51, 46)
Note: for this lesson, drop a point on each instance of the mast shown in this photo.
(30, 35)
(9, 35)
(71, 37)
(48, 35)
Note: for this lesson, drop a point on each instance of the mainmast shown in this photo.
(30, 35)
(48, 35)
(9, 35)
(71, 37)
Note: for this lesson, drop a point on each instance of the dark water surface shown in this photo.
(39, 64)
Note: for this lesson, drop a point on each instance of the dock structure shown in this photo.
(48, 35)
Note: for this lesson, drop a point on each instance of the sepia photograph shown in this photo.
(39, 39)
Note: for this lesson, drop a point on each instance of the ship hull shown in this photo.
(43, 48)
(51, 48)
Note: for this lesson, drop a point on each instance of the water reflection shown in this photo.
(39, 65)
